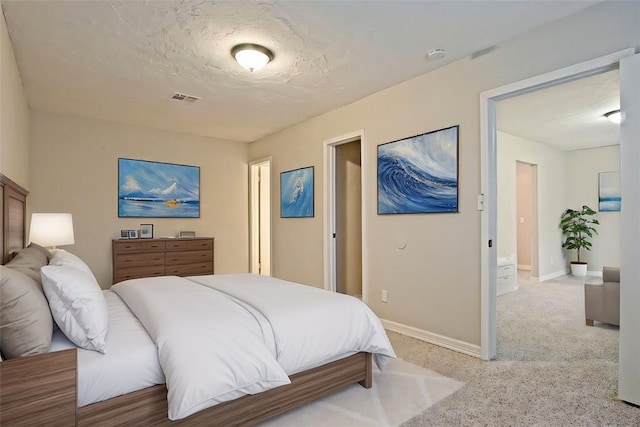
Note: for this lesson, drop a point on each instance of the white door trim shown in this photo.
(488, 99)
(254, 205)
(329, 194)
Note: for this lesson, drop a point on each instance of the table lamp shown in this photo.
(51, 229)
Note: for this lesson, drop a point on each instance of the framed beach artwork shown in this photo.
(609, 198)
(419, 174)
(296, 193)
(157, 190)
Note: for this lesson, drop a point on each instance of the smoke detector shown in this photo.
(435, 54)
(186, 98)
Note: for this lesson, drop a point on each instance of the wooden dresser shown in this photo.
(191, 256)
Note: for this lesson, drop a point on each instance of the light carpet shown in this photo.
(553, 370)
(398, 393)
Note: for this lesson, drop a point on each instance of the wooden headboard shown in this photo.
(14, 215)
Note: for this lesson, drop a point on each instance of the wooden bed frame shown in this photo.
(23, 399)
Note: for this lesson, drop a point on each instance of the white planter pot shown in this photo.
(579, 269)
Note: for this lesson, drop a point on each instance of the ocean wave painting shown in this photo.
(158, 190)
(296, 193)
(609, 196)
(419, 174)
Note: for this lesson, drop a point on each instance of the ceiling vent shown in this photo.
(186, 98)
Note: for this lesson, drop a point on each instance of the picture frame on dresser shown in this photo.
(146, 231)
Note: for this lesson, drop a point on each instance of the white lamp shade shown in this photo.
(51, 229)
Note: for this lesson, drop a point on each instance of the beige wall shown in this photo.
(74, 168)
(582, 168)
(349, 219)
(434, 283)
(524, 214)
(14, 115)
(550, 200)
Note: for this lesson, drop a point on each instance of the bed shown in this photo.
(308, 378)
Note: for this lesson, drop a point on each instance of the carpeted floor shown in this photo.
(552, 369)
(401, 391)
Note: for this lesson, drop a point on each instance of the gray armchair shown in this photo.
(602, 300)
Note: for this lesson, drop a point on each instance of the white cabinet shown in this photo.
(507, 275)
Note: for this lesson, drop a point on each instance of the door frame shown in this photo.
(254, 215)
(488, 178)
(329, 197)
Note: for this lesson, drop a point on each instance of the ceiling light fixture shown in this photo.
(252, 56)
(613, 116)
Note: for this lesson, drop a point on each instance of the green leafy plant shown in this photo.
(578, 226)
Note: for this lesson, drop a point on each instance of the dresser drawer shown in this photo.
(128, 260)
(139, 246)
(190, 257)
(176, 245)
(506, 270)
(190, 269)
(196, 244)
(138, 272)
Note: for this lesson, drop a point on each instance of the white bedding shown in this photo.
(310, 325)
(219, 337)
(130, 364)
(211, 349)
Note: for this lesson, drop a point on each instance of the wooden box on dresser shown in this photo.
(39, 390)
(137, 258)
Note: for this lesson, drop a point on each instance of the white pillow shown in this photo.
(77, 305)
(61, 257)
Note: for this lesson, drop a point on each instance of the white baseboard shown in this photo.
(524, 267)
(430, 337)
(553, 275)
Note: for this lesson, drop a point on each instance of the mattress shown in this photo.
(130, 363)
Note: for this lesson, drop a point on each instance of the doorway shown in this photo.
(629, 65)
(260, 207)
(344, 215)
(349, 219)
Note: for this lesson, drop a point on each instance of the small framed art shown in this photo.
(296, 193)
(146, 231)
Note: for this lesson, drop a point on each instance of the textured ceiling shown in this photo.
(569, 116)
(123, 60)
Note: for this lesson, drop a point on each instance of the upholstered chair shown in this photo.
(602, 300)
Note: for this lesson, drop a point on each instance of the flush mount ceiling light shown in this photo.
(613, 116)
(252, 56)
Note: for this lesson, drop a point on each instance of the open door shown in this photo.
(260, 181)
(629, 361)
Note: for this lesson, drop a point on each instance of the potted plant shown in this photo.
(578, 226)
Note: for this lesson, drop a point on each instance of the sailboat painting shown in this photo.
(419, 174)
(157, 190)
(296, 193)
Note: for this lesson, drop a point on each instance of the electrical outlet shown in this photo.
(383, 297)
